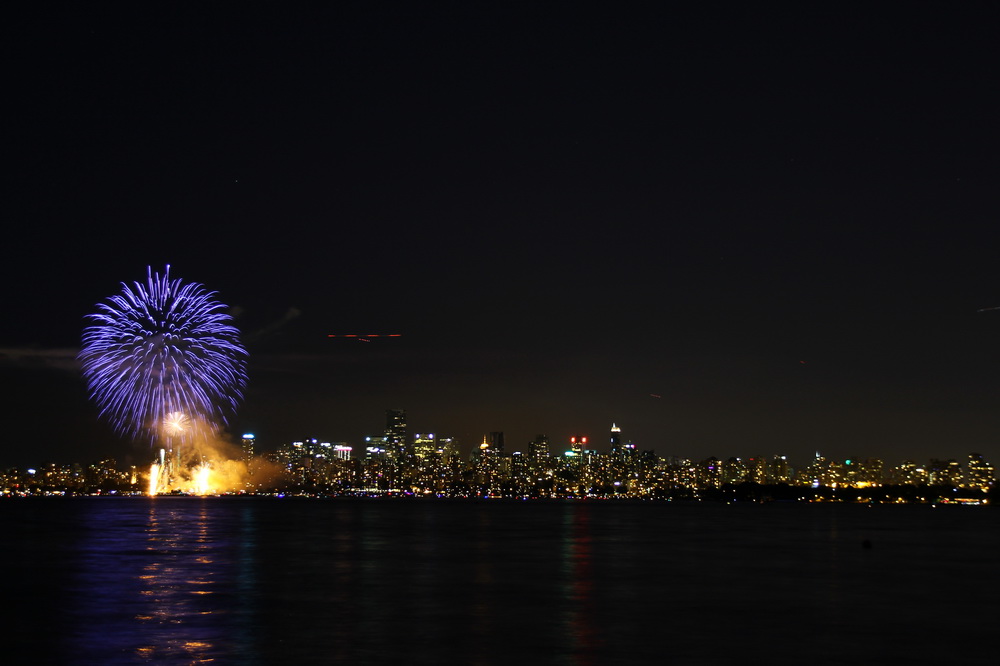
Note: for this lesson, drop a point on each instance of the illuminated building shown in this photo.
(305, 461)
(821, 472)
(488, 447)
(620, 470)
(908, 473)
(488, 463)
(733, 471)
(247, 446)
(538, 448)
(375, 448)
(616, 439)
(520, 472)
(649, 472)
(430, 465)
(979, 474)
(574, 456)
(432, 469)
(944, 472)
(679, 473)
(870, 471)
(496, 442)
(708, 473)
(395, 432)
(447, 448)
(378, 471)
(424, 445)
(778, 470)
(756, 469)
(539, 465)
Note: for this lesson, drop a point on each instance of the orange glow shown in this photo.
(203, 466)
(154, 479)
(201, 479)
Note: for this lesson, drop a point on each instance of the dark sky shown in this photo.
(744, 232)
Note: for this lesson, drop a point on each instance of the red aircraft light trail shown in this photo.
(364, 338)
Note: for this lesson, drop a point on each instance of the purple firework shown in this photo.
(162, 349)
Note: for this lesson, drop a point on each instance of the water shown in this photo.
(266, 581)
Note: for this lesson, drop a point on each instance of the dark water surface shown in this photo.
(268, 581)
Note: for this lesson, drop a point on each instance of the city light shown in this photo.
(432, 465)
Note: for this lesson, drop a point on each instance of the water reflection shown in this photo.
(343, 584)
(193, 581)
(579, 606)
(155, 585)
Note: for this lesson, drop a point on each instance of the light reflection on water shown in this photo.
(156, 583)
(245, 581)
(579, 605)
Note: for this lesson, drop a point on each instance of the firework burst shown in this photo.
(162, 355)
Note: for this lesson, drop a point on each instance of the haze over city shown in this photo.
(741, 232)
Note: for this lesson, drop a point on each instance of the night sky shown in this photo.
(748, 231)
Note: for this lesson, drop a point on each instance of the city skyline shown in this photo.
(431, 466)
(397, 440)
(746, 231)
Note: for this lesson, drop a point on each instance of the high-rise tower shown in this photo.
(395, 431)
(247, 446)
(616, 439)
(538, 448)
(496, 442)
(979, 473)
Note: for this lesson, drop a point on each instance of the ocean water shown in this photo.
(351, 581)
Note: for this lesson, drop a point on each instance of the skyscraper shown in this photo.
(247, 446)
(577, 451)
(424, 445)
(979, 473)
(395, 431)
(496, 442)
(538, 448)
(491, 448)
(488, 463)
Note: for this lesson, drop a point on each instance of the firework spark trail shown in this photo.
(161, 347)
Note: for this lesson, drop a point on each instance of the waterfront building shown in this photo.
(756, 469)
(733, 471)
(709, 473)
(944, 472)
(979, 474)
(778, 470)
(909, 473)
